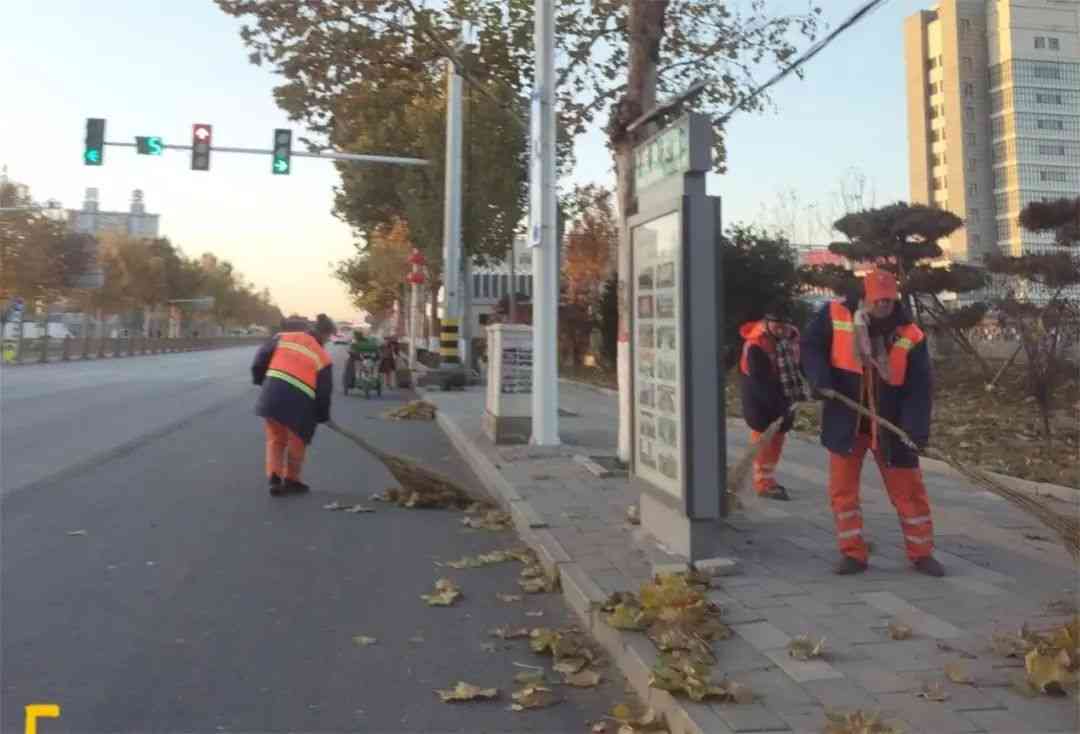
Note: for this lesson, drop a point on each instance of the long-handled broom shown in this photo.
(423, 487)
(1066, 526)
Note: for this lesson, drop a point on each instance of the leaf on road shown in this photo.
(933, 692)
(542, 639)
(466, 692)
(510, 633)
(534, 571)
(582, 679)
(648, 721)
(804, 648)
(446, 593)
(856, 722)
(569, 666)
(359, 508)
(76, 532)
(533, 697)
(334, 506)
(1048, 670)
(509, 598)
(633, 515)
(364, 640)
(1010, 646)
(490, 520)
(390, 495)
(899, 631)
(537, 613)
(530, 677)
(957, 673)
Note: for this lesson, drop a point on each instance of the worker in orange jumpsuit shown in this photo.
(297, 380)
(771, 384)
(870, 351)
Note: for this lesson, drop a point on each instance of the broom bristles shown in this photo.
(736, 478)
(410, 475)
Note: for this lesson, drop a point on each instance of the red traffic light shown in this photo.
(417, 257)
(415, 278)
(201, 138)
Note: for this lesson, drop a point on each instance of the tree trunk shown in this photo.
(645, 23)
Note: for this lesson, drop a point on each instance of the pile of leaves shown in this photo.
(525, 555)
(424, 497)
(417, 410)
(446, 593)
(682, 623)
(483, 517)
(856, 722)
(1051, 658)
(997, 430)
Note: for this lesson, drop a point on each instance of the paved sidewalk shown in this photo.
(1004, 568)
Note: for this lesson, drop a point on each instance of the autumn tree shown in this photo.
(375, 275)
(903, 238)
(1039, 300)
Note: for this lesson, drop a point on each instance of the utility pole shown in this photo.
(450, 339)
(544, 235)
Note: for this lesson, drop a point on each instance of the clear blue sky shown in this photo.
(153, 68)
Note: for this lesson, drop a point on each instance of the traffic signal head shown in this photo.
(201, 137)
(94, 151)
(150, 145)
(282, 151)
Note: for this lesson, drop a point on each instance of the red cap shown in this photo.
(880, 284)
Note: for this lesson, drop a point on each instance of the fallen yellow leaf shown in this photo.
(466, 692)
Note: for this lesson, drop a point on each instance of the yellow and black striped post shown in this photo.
(448, 343)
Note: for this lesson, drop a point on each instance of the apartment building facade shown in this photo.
(993, 89)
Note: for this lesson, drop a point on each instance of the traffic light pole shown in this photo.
(329, 155)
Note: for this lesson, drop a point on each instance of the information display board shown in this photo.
(658, 424)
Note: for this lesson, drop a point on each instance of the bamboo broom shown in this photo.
(1066, 526)
(424, 487)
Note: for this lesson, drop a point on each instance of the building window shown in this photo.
(1047, 98)
(969, 114)
(1057, 151)
(485, 319)
(476, 286)
(967, 64)
(973, 188)
(973, 215)
(1055, 176)
(504, 284)
(938, 159)
(1040, 41)
(969, 89)
(970, 138)
(1046, 72)
(972, 164)
(965, 26)
(1050, 124)
(1054, 44)
(939, 183)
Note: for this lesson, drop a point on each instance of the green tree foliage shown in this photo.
(903, 238)
(1038, 300)
(760, 272)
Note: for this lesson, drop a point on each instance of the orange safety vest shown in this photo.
(846, 357)
(755, 335)
(297, 360)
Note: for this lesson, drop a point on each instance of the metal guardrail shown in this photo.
(46, 349)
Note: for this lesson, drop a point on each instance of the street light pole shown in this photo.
(450, 344)
(544, 236)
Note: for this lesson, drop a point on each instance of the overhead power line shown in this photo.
(851, 20)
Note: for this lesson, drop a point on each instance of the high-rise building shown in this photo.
(993, 89)
(135, 222)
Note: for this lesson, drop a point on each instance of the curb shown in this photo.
(633, 655)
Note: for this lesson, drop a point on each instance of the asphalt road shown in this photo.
(196, 602)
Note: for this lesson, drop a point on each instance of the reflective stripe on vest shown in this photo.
(846, 357)
(908, 337)
(297, 360)
(844, 354)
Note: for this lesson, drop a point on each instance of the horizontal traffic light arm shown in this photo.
(330, 155)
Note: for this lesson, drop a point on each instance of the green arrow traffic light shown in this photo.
(281, 166)
(93, 157)
(282, 151)
(94, 150)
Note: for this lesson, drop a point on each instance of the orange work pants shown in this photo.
(766, 460)
(906, 492)
(284, 451)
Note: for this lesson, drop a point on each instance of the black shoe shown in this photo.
(293, 486)
(848, 566)
(930, 566)
(274, 483)
(776, 493)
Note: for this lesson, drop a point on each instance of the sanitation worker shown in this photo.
(771, 384)
(869, 350)
(296, 375)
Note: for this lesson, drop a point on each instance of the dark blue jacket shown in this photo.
(286, 404)
(908, 406)
(763, 399)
